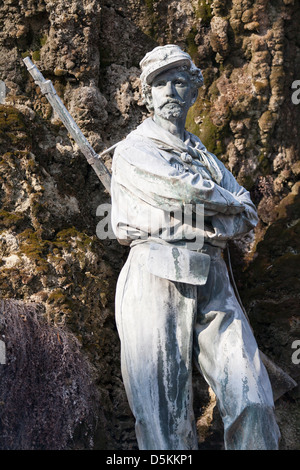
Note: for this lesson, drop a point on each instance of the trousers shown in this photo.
(163, 325)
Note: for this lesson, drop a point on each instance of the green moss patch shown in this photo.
(10, 219)
(35, 249)
(191, 46)
(13, 128)
(212, 136)
(203, 11)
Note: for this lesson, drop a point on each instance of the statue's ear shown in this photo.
(194, 96)
(149, 101)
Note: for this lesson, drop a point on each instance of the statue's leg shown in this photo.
(228, 357)
(155, 319)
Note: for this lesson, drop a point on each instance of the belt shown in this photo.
(174, 262)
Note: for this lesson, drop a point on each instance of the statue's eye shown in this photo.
(180, 82)
(160, 83)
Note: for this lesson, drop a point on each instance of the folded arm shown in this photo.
(155, 181)
(225, 226)
(228, 207)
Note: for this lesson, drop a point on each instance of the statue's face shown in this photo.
(172, 94)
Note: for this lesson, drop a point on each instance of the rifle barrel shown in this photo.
(49, 91)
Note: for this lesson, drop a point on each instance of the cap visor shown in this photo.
(165, 66)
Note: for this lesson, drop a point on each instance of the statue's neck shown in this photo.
(172, 125)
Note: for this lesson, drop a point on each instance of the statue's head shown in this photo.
(164, 62)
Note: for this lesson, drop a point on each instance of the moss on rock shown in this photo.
(203, 11)
(11, 220)
(13, 128)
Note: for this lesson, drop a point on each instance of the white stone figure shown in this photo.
(174, 300)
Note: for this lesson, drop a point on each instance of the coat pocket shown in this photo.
(178, 264)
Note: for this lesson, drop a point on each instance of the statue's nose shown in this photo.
(169, 89)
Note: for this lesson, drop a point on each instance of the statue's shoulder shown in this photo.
(137, 141)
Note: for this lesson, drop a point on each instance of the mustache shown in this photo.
(172, 101)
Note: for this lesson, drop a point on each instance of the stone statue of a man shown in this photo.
(174, 301)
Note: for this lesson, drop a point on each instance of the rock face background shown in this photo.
(57, 279)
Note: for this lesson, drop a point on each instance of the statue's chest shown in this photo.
(185, 163)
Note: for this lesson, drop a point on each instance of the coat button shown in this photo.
(185, 157)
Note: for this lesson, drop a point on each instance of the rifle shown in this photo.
(280, 380)
(92, 157)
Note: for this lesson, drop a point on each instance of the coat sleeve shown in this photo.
(140, 168)
(231, 226)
